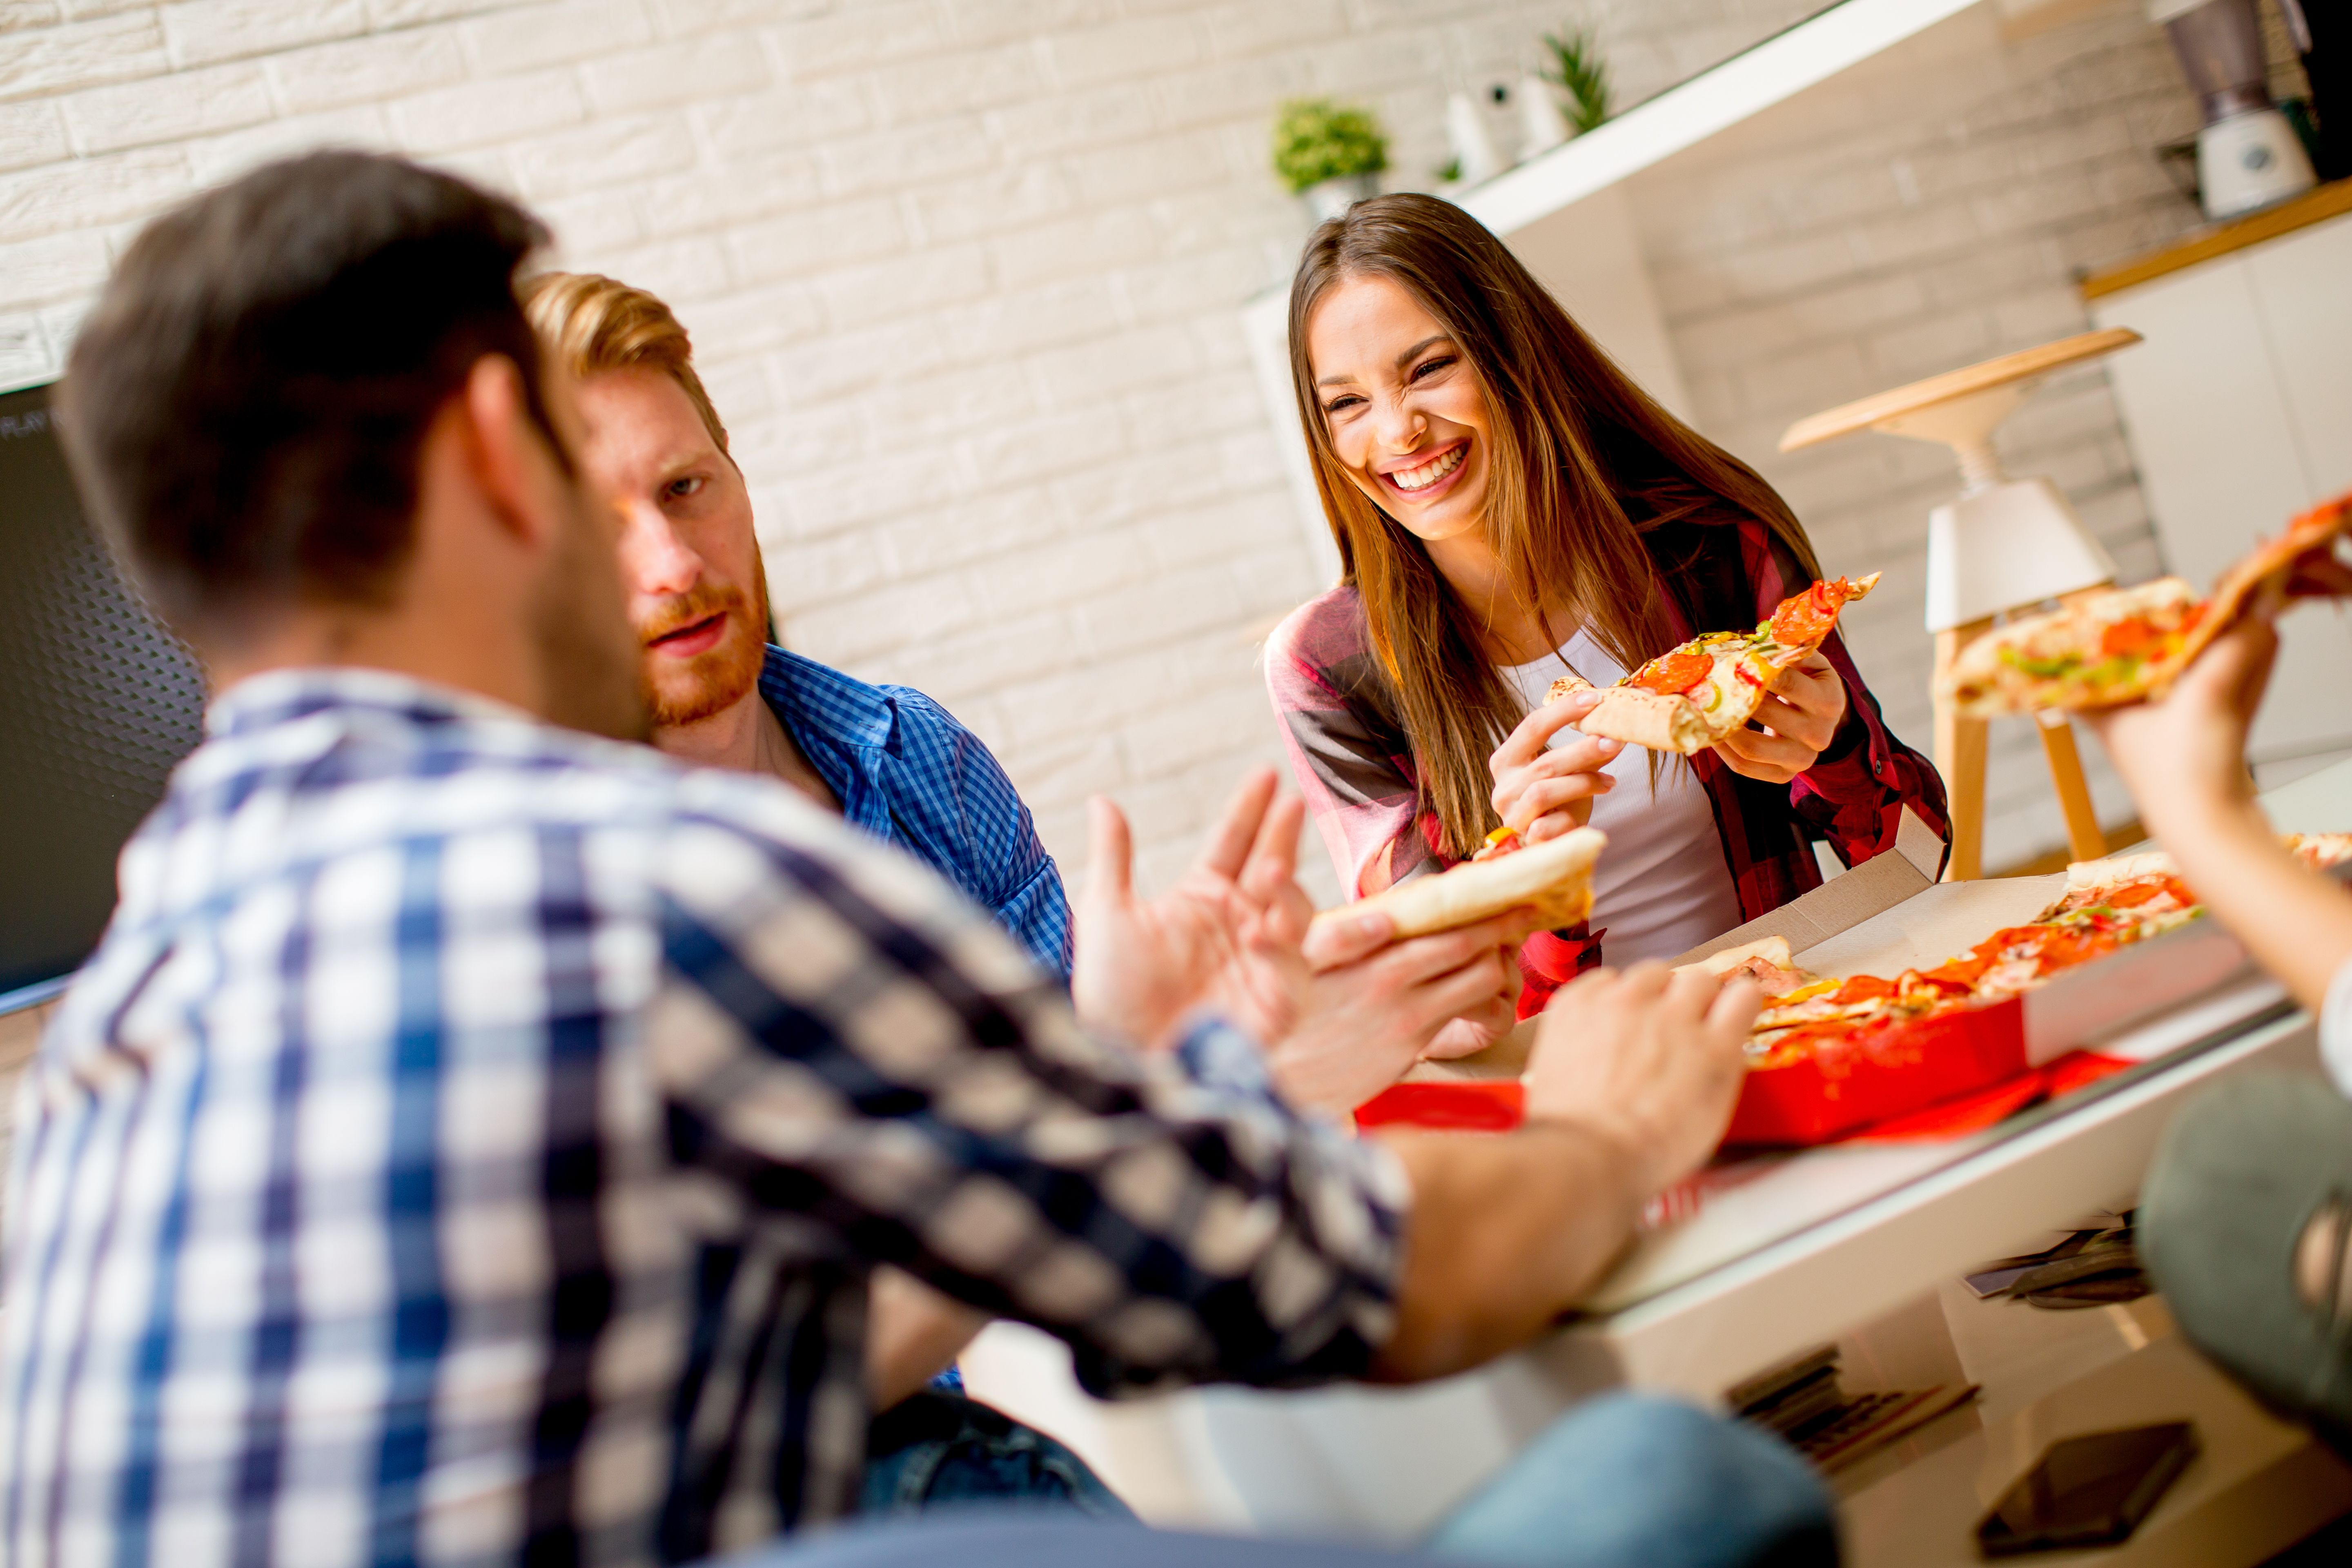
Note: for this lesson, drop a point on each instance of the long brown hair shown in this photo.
(1574, 441)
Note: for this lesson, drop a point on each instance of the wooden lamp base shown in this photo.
(1960, 758)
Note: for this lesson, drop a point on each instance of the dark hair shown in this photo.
(246, 405)
(1583, 462)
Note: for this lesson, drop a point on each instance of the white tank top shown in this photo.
(1662, 886)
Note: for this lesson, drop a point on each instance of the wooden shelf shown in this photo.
(2313, 206)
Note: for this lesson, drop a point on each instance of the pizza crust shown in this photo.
(1651, 719)
(1554, 878)
(1773, 950)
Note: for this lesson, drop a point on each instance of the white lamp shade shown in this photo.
(2004, 546)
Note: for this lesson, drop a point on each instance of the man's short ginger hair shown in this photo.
(591, 324)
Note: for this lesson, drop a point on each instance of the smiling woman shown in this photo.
(1509, 507)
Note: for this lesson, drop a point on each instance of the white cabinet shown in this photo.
(2239, 410)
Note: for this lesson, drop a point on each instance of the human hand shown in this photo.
(1649, 1060)
(1800, 716)
(1374, 1005)
(2183, 758)
(1227, 935)
(1542, 791)
(1467, 1034)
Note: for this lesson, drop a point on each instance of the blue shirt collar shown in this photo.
(834, 718)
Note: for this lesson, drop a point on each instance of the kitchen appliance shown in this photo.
(2248, 155)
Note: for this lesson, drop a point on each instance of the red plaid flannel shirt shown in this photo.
(1355, 765)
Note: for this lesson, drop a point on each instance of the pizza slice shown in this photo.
(2147, 882)
(2111, 647)
(1767, 963)
(1688, 699)
(1554, 878)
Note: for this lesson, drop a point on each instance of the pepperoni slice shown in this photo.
(2136, 635)
(2066, 949)
(2136, 894)
(1864, 988)
(1675, 673)
(1802, 620)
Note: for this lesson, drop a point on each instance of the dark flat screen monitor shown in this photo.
(98, 702)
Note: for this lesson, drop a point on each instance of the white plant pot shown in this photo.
(1332, 198)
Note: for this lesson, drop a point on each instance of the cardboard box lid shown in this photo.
(1837, 905)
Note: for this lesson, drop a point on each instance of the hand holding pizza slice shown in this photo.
(1708, 690)
(2113, 646)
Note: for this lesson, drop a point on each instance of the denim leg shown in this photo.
(943, 1450)
(1632, 1480)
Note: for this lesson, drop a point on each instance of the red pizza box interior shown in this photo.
(1886, 915)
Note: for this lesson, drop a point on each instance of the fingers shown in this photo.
(1419, 958)
(1335, 944)
(1644, 981)
(2320, 576)
(1585, 755)
(1475, 988)
(1111, 853)
(1776, 759)
(1548, 795)
(1274, 857)
(1812, 727)
(1576, 814)
(1690, 992)
(1733, 1008)
(1228, 846)
(1535, 731)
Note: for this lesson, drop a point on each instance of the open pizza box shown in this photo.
(1886, 915)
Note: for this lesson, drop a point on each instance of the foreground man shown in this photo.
(471, 1140)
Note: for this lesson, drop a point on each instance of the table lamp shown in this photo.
(2003, 544)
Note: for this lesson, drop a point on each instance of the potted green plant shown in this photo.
(1328, 154)
(1578, 70)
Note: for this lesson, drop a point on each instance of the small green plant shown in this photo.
(1578, 70)
(1316, 140)
(1450, 170)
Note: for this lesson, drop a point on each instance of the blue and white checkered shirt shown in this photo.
(470, 1142)
(907, 772)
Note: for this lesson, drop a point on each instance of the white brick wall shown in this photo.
(962, 273)
(1928, 208)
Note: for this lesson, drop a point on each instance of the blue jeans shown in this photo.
(1627, 1480)
(937, 1449)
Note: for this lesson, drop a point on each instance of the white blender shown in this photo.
(2248, 155)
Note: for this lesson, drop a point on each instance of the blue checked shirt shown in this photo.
(907, 772)
(470, 1142)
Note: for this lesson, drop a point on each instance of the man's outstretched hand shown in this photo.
(1649, 1060)
(1226, 936)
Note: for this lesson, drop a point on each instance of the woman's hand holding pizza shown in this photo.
(1542, 791)
(1797, 721)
